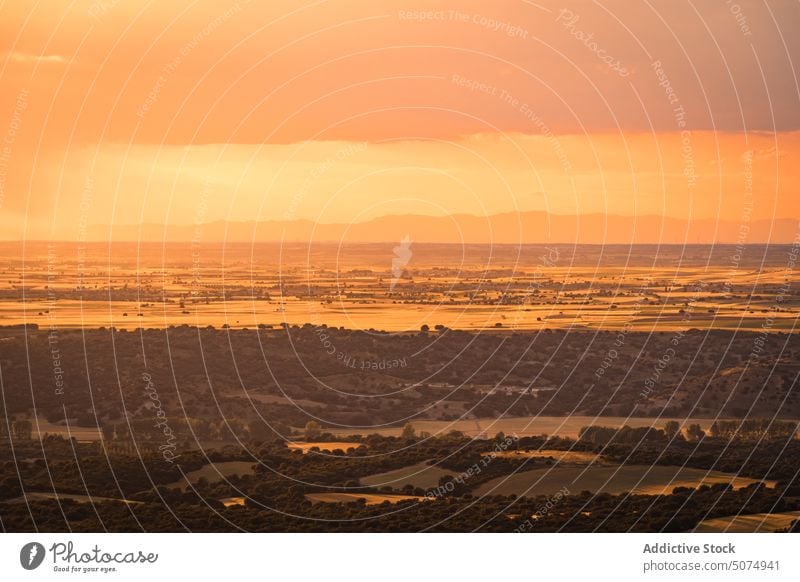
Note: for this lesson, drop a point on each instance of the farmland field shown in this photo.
(560, 457)
(758, 522)
(419, 475)
(638, 479)
(42, 427)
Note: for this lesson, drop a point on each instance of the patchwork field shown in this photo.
(638, 479)
(487, 287)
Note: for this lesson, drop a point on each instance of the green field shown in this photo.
(419, 475)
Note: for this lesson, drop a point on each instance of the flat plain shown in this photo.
(478, 287)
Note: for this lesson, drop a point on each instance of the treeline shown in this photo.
(19, 429)
(753, 429)
(756, 429)
(603, 435)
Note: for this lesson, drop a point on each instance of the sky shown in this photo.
(116, 112)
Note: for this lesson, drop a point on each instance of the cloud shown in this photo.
(344, 182)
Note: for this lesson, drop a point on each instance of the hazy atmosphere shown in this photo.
(341, 267)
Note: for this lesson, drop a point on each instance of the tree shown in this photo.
(259, 431)
(201, 427)
(425, 328)
(672, 429)
(695, 433)
(10, 487)
(23, 429)
(448, 486)
(408, 434)
(312, 430)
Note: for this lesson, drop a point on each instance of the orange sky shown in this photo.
(114, 113)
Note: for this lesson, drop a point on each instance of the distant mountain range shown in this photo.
(508, 228)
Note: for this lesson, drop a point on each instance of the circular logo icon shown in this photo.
(31, 555)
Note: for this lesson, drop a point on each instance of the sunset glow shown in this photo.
(335, 112)
(338, 267)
